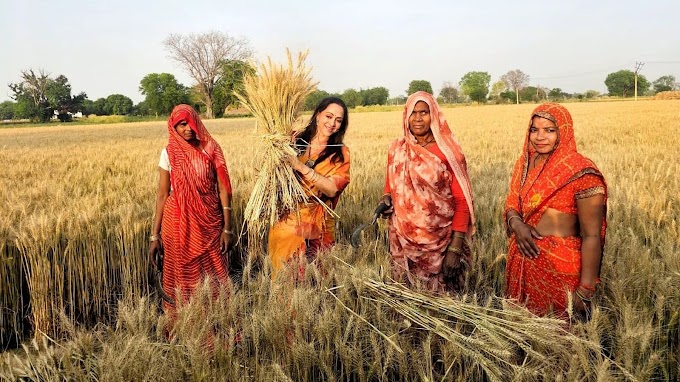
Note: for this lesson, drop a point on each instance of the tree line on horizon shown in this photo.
(217, 63)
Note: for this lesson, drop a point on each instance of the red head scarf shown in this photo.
(181, 152)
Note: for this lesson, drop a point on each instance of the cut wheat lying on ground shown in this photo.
(77, 205)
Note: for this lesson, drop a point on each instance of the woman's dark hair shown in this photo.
(334, 141)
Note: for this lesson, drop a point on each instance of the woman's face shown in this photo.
(543, 134)
(329, 120)
(184, 130)
(420, 119)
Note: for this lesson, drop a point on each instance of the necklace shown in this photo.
(426, 142)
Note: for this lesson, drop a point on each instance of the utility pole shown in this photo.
(638, 66)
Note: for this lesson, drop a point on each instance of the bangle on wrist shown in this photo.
(455, 250)
(513, 217)
(582, 295)
(153, 238)
(458, 234)
(228, 231)
(226, 208)
(590, 288)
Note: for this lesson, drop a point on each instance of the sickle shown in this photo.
(158, 276)
(355, 239)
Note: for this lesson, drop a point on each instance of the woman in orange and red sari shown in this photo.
(430, 197)
(193, 208)
(323, 168)
(555, 214)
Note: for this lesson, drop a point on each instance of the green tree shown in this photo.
(99, 107)
(622, 83)
(374, 96)
(141, 109)
(351, 97)
(58, 94)
(419, 85)
(118, 104)
(532, 94)
(162, 92)
(664, 84)
(231, 80)
(448, 93)
(592, 94)
(87, 107)
(38, 96)
(314, 98)
(556, 94)
(476, 85)
(7, 110)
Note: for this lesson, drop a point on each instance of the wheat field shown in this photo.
(77, 205)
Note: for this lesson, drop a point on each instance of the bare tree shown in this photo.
(33, 85)
(515, 80)
(202, 56)
(32, 92)
(449, 93)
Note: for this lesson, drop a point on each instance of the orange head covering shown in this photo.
(563, 165)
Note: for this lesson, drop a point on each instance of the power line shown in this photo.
(572, 74)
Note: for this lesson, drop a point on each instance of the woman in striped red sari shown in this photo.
(193, 208)
(555, 214)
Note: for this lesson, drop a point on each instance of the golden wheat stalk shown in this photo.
(274, 96)
(492, 337)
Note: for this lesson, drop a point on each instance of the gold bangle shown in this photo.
(513, 217)
(226, 208)
(581, 296)
(228, 232)
(153, 238)
(455, 250)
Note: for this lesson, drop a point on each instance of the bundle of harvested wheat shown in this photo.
(274, 95)
(500, 337)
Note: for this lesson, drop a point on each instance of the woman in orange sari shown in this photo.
(430, 197)
(555, 214)
(323, 169)
(193, 208)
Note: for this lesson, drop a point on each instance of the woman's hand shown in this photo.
(386, 200)
(454, 267)
(297, 165)
(154, 247)
(524, 236)
(582, 307)
(225, 242)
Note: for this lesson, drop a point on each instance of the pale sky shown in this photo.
(107, 47)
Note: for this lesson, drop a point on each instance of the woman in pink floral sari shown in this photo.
(431, 215)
